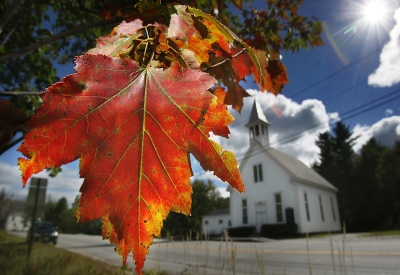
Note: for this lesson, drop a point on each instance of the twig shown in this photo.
(56, 37)
(10, 145)
(225, 60)
(19, 93)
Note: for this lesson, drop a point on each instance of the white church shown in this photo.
(279, 189)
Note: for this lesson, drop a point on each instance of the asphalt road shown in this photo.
(350, 254)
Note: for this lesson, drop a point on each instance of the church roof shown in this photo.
(257, 114)
(218, 212)
(299, 171)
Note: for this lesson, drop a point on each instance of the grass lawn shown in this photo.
(384, 233)
(48, 259)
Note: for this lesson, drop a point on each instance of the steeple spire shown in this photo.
(258, 125)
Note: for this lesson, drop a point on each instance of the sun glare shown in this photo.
(374, 11)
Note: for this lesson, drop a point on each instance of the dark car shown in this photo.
(45, 232)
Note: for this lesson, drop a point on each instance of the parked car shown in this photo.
(44, 231)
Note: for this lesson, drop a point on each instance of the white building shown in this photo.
(16, 222)
(279, 188)
(215, 222)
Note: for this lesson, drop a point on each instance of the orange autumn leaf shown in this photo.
(133, 129)
(183, 27)
(271, 78)
(277, 76)
(136, 108)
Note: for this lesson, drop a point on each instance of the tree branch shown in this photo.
(54, 38)
(19, 93)
(7, 15)
(10, 145)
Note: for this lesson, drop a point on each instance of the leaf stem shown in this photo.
(243, 50)
(154, 47)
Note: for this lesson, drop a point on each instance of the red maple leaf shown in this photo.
(133, 129)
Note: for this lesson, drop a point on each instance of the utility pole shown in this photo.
(39, 181)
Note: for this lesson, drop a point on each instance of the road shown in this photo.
(349, 254)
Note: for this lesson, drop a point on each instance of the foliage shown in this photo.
(383, 233)
(63, 217)
(55, 32)
(285, 230)
(369, 202)
(7, 206)
(388, 179)
(337, 166)
(143, 99)
(28, 54)
(205, 198)
(367, 182)
(241, 231)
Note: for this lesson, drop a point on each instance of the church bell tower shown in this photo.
(258, 125)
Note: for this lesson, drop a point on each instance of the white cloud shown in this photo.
(11, 181)
(388, 72)
(294, 126)
(294, 129)
(386, 131)
(389, 112)
(66, 184)
(222, 191)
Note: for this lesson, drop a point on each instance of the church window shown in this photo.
(333, 210)
(258, 173)
(306, 205)
(321, 208)
(278, 206)
(244, 211)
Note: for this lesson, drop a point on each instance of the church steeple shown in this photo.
(258, 125)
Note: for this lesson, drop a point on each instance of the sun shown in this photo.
(374, 11)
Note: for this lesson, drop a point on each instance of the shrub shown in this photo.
(278, 230)
(241, 231)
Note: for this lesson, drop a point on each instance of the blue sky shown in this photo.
(353, 78)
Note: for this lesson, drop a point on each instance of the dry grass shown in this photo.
(46, 259)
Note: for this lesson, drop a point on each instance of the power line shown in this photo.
(346, 115)
(335, 73)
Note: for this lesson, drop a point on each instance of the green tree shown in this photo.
(369, 200)
(326, 161)
(389, 183)
(91, 227)
(7, 205)
(205, 198)
(336, 164)
(57, 214)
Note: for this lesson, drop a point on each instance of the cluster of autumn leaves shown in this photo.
(139, 103)
(196, 40)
